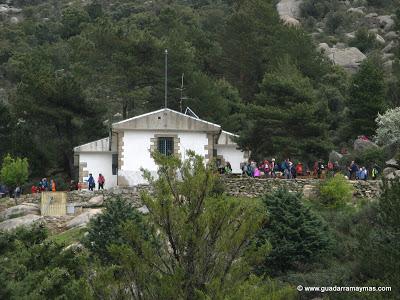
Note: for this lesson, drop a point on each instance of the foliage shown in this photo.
(286, 100)
(14, 171)
(367, 98)
(380, 247)
(317, 8)
(397, 19)
(388, 127)
(335, 191)
(105, 230)
(372, 157)
(37, 269)
(334, 21)
(5, 128)
(200, 243)
(297, 235)
(364, 40)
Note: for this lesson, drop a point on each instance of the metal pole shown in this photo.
(181, 92)
(166, 78)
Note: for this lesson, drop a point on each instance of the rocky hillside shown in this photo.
(348, 31)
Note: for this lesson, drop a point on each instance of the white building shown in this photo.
(165, 130)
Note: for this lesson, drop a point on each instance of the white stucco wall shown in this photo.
(99, 163)
(231, 154)
(136, 155)
(193, 141)
(136, 151)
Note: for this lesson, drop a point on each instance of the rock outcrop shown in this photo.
(26, 221)
(361, 145)
(84, 218)
(335, 156)
(289, 12)
(96, 201)
(392, 169)
(20, 210)
(349, 58)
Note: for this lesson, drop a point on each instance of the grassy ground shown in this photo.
(68, 237)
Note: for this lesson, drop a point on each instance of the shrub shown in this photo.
(333, 21)
(335, 191)
(14, 172)
(380, 245)
(106, 229)
(297, 235)
(371, 157)
(388, 131)
(364, 40)
(35, 268)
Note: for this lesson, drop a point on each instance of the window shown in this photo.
(114, 166)
(165, 145)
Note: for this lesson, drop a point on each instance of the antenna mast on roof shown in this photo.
(166, 79)
(181, 89)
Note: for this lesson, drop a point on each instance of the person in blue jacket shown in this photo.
(91, 182)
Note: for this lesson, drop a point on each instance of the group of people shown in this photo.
(272, 169)
(43, 186)
(5, 191)
(225, 169)
(361, 173)
(288, 169)
(92, 183)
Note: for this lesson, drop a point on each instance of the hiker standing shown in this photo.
(353, 169)
(321, 168)
(374, 172)
(91, 182)
(53, 185)
(101, 180)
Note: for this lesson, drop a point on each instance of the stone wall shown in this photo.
(132, 194)
(252, 187)
(234, 186)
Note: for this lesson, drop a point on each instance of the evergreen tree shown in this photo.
(32, 267)
(245, 39)
(5, 129)
(296, 234)
(200, 243)
(367, 98)
(51, 103)
(380, 247)
(106, 229)
(287, 119)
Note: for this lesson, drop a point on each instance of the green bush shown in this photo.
(106, 229)
(335, 191)
(371, 157)
(333, 21)
(298, 236)
(380, 244)
(364, 40)
(34, 268)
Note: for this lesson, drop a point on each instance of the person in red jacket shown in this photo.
(299, 169)
(101, 180)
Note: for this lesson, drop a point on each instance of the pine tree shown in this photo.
(199, 243)
(380, 249)
(296, 234)
(367, 98)
(5, 129)
(287, 119)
